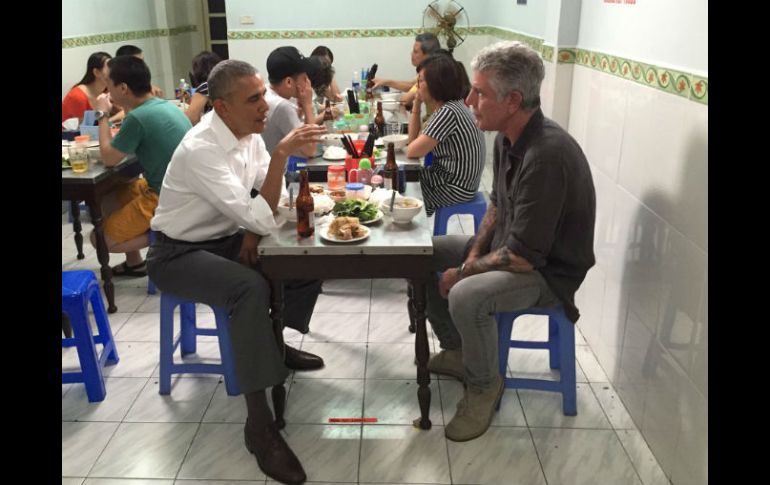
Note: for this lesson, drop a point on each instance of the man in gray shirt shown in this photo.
(535, 244)
(287, 72)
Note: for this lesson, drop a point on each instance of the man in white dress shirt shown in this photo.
(208, 230)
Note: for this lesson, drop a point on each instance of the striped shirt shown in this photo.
(458, 159)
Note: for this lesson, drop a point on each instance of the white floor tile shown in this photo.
(121, 393)
(126, 481)
(583, 457)
(137, 359)
(218, 453)
(342, 361)
(72, 481)
(145, 450)
(386, 300)
(189, 398)
(81, 445)
(390, 328)
(642, 458)
(544, 409)
(491, 458)
(534, 364)
(391, 361)
(590, 366)
(395, 402)
(612, 406)
(343, 301)
(338, 327)
(328, 453)
(140, 327)
(314, 401)
(404, 454)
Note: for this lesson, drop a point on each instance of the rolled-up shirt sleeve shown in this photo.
(538, 203)
(220, 187)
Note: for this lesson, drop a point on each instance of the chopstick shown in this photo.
(368, 149)
(352, 147)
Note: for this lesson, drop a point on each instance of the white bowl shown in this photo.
(331, 139)
(391, 105)
(283, 209)
(398, 141)
(403, 210)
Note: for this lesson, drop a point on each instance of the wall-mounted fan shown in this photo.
(444, 18)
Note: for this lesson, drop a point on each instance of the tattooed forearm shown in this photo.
(501, 260)
(485, 233)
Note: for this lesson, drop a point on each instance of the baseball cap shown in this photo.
(286, 61)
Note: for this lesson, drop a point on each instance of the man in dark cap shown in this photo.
(287, 71)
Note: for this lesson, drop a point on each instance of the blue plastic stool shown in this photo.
(476, 207)
(187, 338)
(561, 349)
(150, 285)
(77, 289)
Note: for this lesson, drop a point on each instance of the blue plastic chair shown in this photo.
(77, 289)
(561, 349)
(476, 207)
(428, 161)
(150, 285)
(186, 339)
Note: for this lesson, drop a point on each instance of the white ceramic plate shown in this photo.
(324, 233)
(379, 216)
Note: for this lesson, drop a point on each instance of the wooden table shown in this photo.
(390, 251)
(91, 187)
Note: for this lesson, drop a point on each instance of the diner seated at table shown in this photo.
(117, 113)
(332, 90)
(424, 45)
(152, 130)
(208, 233)
(451, 134)
(82, 96)
(202, 64)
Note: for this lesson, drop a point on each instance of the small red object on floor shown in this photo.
(352, 420)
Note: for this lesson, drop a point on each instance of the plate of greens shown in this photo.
(365, 211)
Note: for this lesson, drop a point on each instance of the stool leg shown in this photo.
(504, 329)
(103, 324)
(440, 223)
(89, 360)
(553, 343)
(166, 346)
(567, 351)
(188, 342)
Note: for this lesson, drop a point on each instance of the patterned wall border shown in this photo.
(684, 84)
(71, 42)
(341, 33)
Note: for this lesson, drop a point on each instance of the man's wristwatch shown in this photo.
(460, 270)
(101, 114)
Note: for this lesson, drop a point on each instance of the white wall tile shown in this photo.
(605, 121)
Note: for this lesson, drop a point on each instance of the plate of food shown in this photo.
(379, 216)
(334, 153)
(344, 230)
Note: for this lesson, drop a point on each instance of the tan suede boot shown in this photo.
(474, 412)
(449, 363)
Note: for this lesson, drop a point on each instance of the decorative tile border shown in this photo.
(678, 83)
(96, 39)
(686, 85)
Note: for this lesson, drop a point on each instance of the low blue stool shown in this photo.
(187, 340)
(77, 289)
(150, 285)
(428, 161)
(477, 207)
(561, 349)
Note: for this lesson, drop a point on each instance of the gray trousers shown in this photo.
(466, 320)
(209, 272)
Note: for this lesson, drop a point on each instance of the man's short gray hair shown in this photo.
(224, 75)
(513, 67)
(429, 43)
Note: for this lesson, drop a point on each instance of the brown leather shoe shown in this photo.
(300, 360)
(274, 456)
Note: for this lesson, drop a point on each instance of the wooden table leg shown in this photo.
(421, 352)
(410, 305)
(102, 254)
(276, 314)
(75, 214)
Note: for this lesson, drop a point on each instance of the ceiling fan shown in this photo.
(445, 18)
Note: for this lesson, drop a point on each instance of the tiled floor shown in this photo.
(195, 435)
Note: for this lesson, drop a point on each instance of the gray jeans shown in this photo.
(467, 319)
(208, 272)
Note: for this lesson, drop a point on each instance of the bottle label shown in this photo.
(388, 181)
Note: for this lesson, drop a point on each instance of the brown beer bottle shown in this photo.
(305, 207)
(328, 116)
(390, 170)
(379, 120)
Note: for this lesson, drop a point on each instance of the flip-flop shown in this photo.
(124, 269)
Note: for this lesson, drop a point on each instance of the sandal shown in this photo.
(124, 269)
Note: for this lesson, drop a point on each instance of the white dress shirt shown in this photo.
(206, 193)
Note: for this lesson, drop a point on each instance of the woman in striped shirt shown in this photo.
(457, 144)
